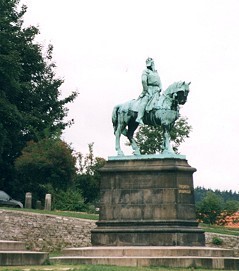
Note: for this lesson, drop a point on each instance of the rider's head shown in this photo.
(149, 62)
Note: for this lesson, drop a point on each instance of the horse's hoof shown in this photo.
(136, 153)
(168, 152)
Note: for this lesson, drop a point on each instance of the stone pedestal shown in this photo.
(147, 202)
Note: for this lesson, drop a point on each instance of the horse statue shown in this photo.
(164, 112)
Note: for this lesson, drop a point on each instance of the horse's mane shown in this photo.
(173, 87)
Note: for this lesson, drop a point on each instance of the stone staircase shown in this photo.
(15, 253)
(184, 257)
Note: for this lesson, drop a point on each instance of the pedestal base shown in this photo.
(147, 202)
(141, 234)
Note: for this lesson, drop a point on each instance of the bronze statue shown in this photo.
(150, 108)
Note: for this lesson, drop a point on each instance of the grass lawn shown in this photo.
(58, 213)
(94, 268)
(220, 229)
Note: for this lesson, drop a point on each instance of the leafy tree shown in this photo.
(150, 138)
(43, 164)
(200, 193)
(29, 89)
(227, 200)
(88, 179)
(231, 206)
(210, 208)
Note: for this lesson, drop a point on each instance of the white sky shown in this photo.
(100, 49)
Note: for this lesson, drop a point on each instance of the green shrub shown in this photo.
(217, 241)
(70, 200)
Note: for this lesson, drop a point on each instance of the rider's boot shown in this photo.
(140, 117)
(141, 110)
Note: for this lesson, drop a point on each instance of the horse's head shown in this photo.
(178, 91)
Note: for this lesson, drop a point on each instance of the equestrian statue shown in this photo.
(151, 108)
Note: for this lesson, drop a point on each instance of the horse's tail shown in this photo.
(115, 117)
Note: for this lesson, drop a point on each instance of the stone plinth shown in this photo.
(147, 202)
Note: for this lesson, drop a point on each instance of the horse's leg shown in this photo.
(134, 146)
(167, 148)
(132, 126)
(162, 146)
(117, 140)
(119, 130)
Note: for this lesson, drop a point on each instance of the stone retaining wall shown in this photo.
(228, 241)
(52, 233)
(45, 232)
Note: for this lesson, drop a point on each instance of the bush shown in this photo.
(92, 209)
(70, 200)
(217, 241)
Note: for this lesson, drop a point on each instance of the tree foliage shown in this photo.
(43, 164)
(227, 195)
(30, 93)
(88, 179)
(210, 208)
(150, 138)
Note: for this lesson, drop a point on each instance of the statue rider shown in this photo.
(151, 87)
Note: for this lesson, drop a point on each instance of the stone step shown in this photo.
(12, 245)
(227, 263)
(19, 258)
(147, 251)
(198, 257)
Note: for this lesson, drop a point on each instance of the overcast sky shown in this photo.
(100, 49)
